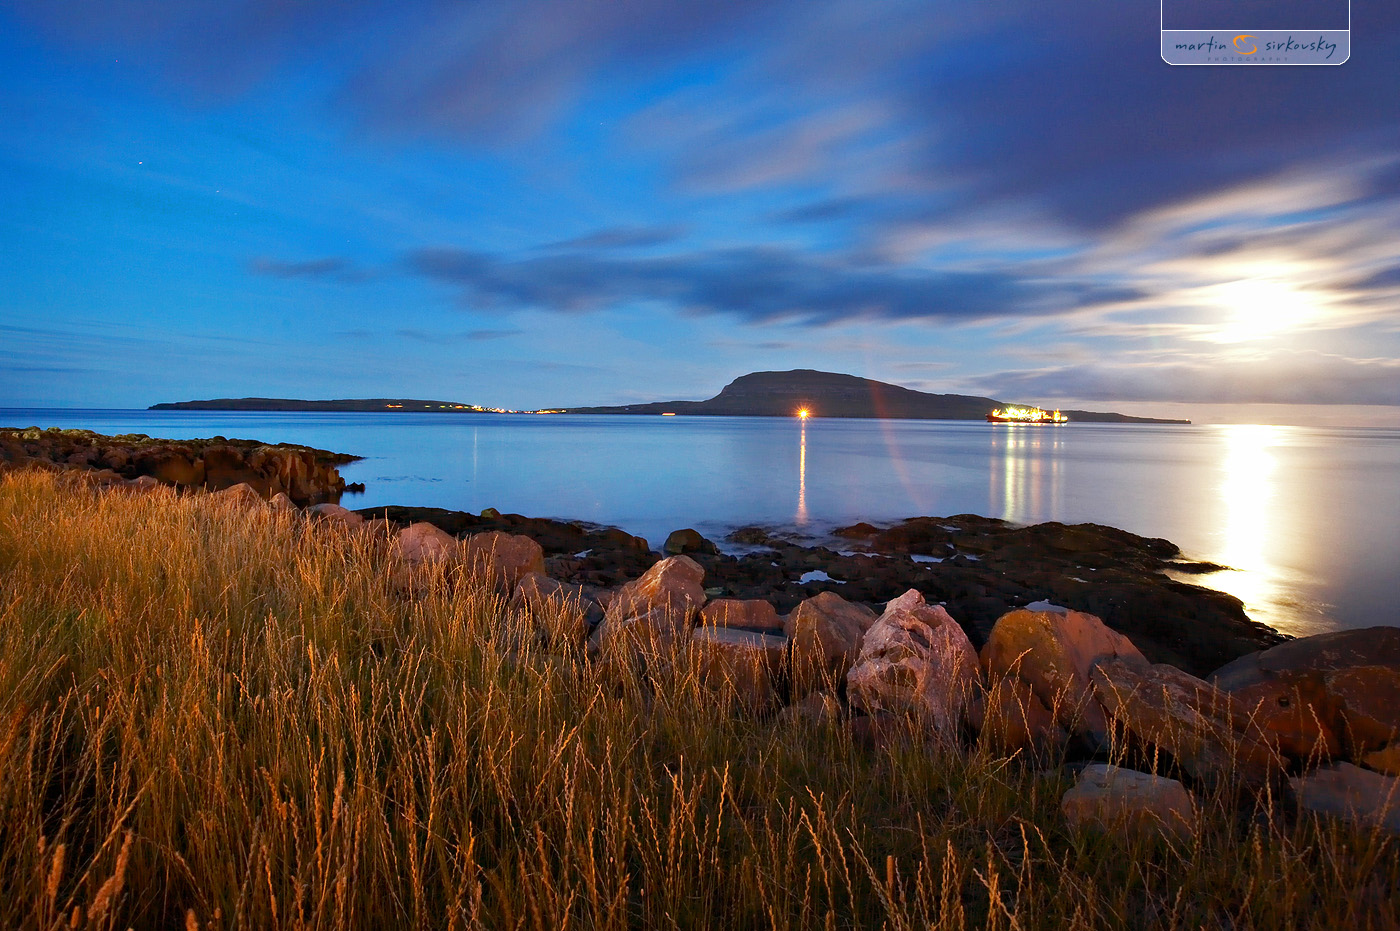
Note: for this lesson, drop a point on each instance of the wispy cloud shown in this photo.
(753, 284)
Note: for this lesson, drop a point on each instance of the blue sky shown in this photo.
(542, 203)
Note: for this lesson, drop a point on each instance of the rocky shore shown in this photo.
(977, 567)
(1061, 644)
(303, 474)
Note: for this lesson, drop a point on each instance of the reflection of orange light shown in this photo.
(802, 471)
(803, 413)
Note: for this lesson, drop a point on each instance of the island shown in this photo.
(758, 394)
(350, 405)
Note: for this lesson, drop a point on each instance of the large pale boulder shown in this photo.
(1053, 652)
(280, 502)
(915, 660)
(744, 663)
(332, 513)
(1352, 793)
(1110, 798)
(509, 557)
(655, 609)
(1209, 734)
(674, 584)
(826, 632)
(422, 543)
(755, 614)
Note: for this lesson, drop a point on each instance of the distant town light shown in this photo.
(803, 413)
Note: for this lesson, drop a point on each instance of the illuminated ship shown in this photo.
(1013, 414)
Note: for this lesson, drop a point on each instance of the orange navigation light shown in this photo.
(803, 413)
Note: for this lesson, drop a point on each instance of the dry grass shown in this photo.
(215, 718)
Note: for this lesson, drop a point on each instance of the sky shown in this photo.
(532, 204)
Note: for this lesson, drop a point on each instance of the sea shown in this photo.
(1307, 519)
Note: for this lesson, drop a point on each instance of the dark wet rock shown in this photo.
(750, 536)
(688, 541)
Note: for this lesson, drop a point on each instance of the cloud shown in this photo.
(754, 284)
(1065, 106)
(1283, 378)
(329, 267)
(622, 237)
(436, 337)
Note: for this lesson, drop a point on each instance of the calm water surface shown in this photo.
(1308, 518)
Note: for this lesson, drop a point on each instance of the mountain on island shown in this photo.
(759, 394)
(828, 394)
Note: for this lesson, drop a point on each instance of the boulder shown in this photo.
(1368, 701)
(1014, 720)
(1324, 653)
(674, 585)
(656, 609)
(333, 513)
(1209, 734)
(685, 541)
(509, 556)
(826, 633)
(561, 613)
(1295, 714)
(1053, 651)
(1110, 798)
(423, 543)
(915, 660)
(240, 494)
(755, 614)
(280, 502)
(744, 663)
(1352, 793)
(1335, 694)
